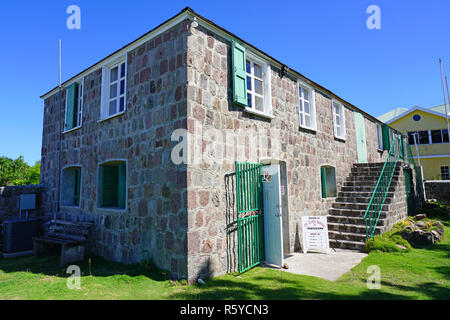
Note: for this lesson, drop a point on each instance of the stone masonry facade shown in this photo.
(183, 217)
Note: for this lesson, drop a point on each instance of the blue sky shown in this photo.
(327, 41)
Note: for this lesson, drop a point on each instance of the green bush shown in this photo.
(388, 243)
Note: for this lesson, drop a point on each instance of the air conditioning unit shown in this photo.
(18, 235)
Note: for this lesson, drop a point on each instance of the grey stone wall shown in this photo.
(211, 207)
(9, 201)
(154, 223)
(438, 190)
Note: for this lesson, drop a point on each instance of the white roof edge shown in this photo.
(415, 109)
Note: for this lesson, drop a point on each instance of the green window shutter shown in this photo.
(71, 110)
(76, 191)
(122, 185)
(386, 137)
(100, 187)
(238, 59)
(323, 177)
(109, 186)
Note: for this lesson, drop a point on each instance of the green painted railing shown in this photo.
(373, 211)
(250, 218)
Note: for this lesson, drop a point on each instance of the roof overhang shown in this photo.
(415, 109)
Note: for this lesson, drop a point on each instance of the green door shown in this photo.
(250, 216)
(361, 138)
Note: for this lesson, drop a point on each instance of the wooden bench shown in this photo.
(65, 238)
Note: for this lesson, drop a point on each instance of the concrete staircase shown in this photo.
(346, 226)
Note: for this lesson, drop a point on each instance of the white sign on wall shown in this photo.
(315, 234)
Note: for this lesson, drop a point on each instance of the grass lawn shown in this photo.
(423, 273)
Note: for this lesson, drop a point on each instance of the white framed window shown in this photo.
(306, 106)
(339, 120)
(114, 89)
(74, 107)
(258, 86)
(380, 137)
(445, 173)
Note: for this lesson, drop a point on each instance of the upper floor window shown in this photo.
(380, 137)
(114, 89)
(306, 107)
(251, 81)
(257, 85)
(339, 120)
(428, 136)
(74, 106)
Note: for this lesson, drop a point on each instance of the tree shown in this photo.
(18, 172)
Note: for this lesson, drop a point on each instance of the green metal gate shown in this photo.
(250, 218)
(409, 190)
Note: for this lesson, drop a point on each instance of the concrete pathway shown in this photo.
(327, 266)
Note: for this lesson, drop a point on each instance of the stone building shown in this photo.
(144, 143)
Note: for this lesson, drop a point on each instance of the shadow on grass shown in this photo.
(219, 289)
(95, 266)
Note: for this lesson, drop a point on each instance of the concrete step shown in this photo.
(362, 195)
(364, 188)
(357, 199)
(350, 228)
(356, 220)
(359, 178)
(344, 244)
(366, 182)
(355, 206)
(348, 236)
(352, 213)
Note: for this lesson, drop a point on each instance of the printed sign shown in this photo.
(315, 234)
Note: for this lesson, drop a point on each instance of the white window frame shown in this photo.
(106, 86)
(266, 86)
(79, 106)
(341, 117)
(380, 137)
(312, 106)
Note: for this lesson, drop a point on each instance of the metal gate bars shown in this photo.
(250, 218)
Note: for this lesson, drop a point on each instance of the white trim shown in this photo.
(433, 156)
(415, 109)
(106, 86)
(267, 87)
(111, 117)
(259, 113)
(343, 135)
(133, 45)
(312, 105)
(73, 129)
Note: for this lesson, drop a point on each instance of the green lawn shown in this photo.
(423, 273)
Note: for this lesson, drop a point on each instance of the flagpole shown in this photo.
(445, 101)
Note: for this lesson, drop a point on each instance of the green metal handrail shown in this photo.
(373, 211)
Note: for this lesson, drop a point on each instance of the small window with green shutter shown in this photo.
(328, 181)
(386, 137)
(112, 185)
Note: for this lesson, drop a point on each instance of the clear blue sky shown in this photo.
(327, 41)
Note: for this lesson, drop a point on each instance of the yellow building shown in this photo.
(428, 134)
